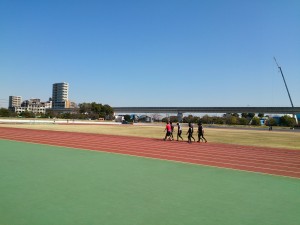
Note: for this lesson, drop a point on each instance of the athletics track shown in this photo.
(273, 161)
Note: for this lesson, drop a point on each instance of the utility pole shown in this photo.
(286, 88)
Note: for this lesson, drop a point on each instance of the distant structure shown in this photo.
(60, 94)
(181, 110)
(59, 102)
(35, 105)
(14, 101)
(32, 105)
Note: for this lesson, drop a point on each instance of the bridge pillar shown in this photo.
(180, 116)
(296, 119)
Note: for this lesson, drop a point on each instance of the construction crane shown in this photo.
(279, 67)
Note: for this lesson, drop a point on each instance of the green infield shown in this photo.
(42, 184)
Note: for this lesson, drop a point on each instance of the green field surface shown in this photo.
(41, 184)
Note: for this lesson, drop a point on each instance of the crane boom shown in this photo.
(284, 82)
(279, 67)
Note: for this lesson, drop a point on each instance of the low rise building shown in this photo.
(33, 105)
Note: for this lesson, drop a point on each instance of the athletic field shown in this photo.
(60, 177)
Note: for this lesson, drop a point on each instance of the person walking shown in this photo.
(179, 131)
(192, 126)
(172, 130)
(168, 131)
(190, 133)
(201, 133)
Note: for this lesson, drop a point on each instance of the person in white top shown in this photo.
(179, 131)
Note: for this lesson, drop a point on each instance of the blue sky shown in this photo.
(152, 52)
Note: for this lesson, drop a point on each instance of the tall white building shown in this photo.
(60, 92)
(14, 101)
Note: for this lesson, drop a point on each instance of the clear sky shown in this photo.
(152, 52)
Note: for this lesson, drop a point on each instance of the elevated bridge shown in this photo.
(180, 110)
(273, 110)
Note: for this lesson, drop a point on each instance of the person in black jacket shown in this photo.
(201, 133)
(192, 126)
(190, 133)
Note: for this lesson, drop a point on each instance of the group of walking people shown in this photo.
(170, 130)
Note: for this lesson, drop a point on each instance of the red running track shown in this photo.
(281, 162)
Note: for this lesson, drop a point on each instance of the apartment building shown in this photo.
(60, 92)
(14, 101)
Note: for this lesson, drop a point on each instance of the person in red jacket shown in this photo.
(168, 133)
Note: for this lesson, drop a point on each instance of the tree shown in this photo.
(205, 119)
(250, 115)
(244, 115)
(173, 119)
(94, 116)
(271, 122)
(85, 107)
(66, 116)
(127, 118)
(217, 120)
(94, 110)
(4, 112)
(287, 121)
(188, 119)
(50, 114)
(108, 110)
(232, 120)
(27, 114)
(165, 119)
(255, 121)
(261, 115)
(235, 115)
(243, 121)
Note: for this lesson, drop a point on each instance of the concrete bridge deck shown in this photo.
(273, 110)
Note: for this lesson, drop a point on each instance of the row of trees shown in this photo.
(95, 111)
(92, 111)
(235, 119)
